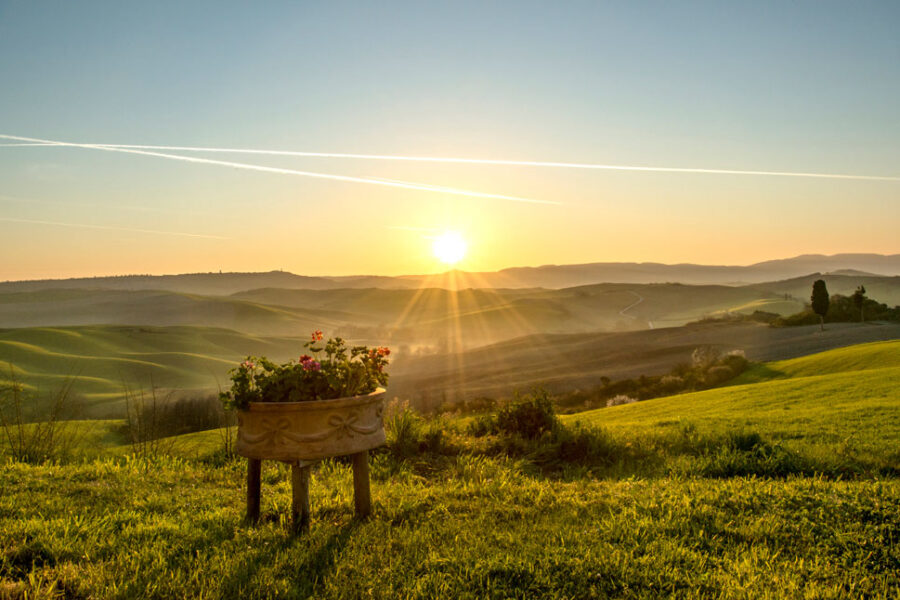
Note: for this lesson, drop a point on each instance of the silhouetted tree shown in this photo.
(859, 299)
(820, 301)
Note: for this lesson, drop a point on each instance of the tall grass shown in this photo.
(37, 430)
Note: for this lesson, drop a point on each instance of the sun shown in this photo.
(449, 247)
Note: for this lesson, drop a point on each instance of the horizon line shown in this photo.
(437, 274)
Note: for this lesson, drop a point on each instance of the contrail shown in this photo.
(513, 163)
(153, 209)
(410, 228)
(370, 180)
(111, 228)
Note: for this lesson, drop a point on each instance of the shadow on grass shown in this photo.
(757, 374)
(320, 558)
(302, 561)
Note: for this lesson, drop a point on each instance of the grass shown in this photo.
(846, 410)
(172, 529)
(752, 490)
(861, 357)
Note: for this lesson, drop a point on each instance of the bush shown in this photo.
(620, 400)
(671, 384)
(529, 416)
(718, 375)
(703, 357)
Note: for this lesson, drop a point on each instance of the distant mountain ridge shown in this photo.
(546, 276)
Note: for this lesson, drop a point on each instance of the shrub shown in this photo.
(482, 425)
(529, 416)
(670, 384)
(736, 360)
(620, 400)
(704, 357)
(718, 375)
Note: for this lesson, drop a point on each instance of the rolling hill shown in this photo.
(547, 276)
(567, 362)
(433, 317)
(842, 396)
(883, 289)
(438, 318)
(103, 361)
(60, 308)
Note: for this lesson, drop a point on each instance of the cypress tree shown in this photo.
(820, 301)
(859, 299)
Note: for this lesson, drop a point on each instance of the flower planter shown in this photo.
(309, 431)
(302, 432)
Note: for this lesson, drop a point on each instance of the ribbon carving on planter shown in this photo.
(281, 431)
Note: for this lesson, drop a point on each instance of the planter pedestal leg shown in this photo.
(300, 500)
(254, 469)
(361, 497)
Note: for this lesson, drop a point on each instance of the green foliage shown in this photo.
(332, 371)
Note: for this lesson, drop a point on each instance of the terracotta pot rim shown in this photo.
(314, 404)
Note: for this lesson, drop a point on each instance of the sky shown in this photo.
(756, 86)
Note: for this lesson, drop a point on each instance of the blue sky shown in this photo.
(799, 86)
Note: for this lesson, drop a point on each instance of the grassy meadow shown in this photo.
(783, 484)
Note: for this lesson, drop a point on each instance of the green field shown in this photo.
(782, 485)
(840, 405)
(104, 360)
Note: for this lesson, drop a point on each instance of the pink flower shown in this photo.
(311, 365)
(247, 365)
(305, 358)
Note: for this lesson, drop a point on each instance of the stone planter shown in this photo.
(308, 431)
(300, 433)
